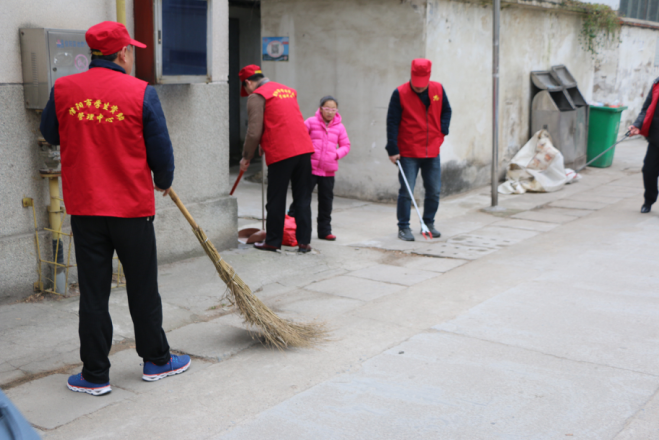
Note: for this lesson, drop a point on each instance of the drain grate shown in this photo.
(482, 241)
(455, 250)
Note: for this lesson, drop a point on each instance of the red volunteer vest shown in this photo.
(284, 132)
(104, 167)
(420, 131)
(649, 114)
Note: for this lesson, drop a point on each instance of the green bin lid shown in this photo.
(608, 109)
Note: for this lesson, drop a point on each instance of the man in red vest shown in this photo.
(275, 121)
(112, 136)
(417, 121)
(647, 124)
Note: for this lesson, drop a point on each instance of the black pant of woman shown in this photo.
(325, 200)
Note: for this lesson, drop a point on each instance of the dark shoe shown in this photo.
(645, 209)
(330, 237)
(265, 247)
(435, 233)
(405, 234)
(304, 248)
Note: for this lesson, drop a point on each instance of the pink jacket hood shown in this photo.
(330, 142)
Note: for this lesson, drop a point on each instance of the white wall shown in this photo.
(625, 71)
(361, 50)
(459, 42)
(220, 44)
(58, 14)
(614, 4)
(358, 51)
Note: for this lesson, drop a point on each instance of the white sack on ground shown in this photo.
(537, 167)
(571, 176)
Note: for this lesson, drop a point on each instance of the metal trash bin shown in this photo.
(558, 106)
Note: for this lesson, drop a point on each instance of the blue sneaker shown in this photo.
(176, 365)
(79, 384)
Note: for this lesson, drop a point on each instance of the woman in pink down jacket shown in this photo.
(331, 142)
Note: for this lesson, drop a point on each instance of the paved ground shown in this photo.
(537, 323)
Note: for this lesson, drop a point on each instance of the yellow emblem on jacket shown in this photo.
(284, 93)
(105, 113)
(435, 98)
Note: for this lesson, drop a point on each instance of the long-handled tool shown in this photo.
(263, 191)
(424, 228)
(255, 235)
(240, 175)
(603, 152)
(277, 331)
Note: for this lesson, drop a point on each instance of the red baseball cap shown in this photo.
(421, 68)
(245, 73)
(110, 37)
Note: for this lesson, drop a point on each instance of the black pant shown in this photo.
(325, 200)
(96, 239)
(651, 173)
(297, 170)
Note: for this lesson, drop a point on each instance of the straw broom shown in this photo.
(278, 332)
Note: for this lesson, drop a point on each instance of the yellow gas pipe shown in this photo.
(55, 209)
(121, 12)
(121, 18)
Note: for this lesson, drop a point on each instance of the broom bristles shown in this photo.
(277, 331)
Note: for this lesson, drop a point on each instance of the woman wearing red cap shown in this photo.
(275, 122)
(417, 121)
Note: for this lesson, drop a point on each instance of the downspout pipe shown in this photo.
(496, 18)
(496, 14)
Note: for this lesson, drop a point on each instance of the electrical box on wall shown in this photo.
(178, 38)
(48, 54)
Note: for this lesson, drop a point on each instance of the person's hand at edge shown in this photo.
(244, 164)
(165, 191)
(394, 158)
(634, 131)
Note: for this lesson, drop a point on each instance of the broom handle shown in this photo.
(237, 180)
(263, 191)
(182, 207)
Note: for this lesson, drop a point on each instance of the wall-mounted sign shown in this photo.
(275, 48)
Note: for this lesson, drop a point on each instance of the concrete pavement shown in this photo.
(536, 323)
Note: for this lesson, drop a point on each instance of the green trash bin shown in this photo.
(602, 133)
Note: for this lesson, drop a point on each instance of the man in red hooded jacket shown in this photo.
(647, 124)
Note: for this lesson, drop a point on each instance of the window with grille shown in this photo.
(641, 9)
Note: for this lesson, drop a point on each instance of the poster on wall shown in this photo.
(275, 48)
